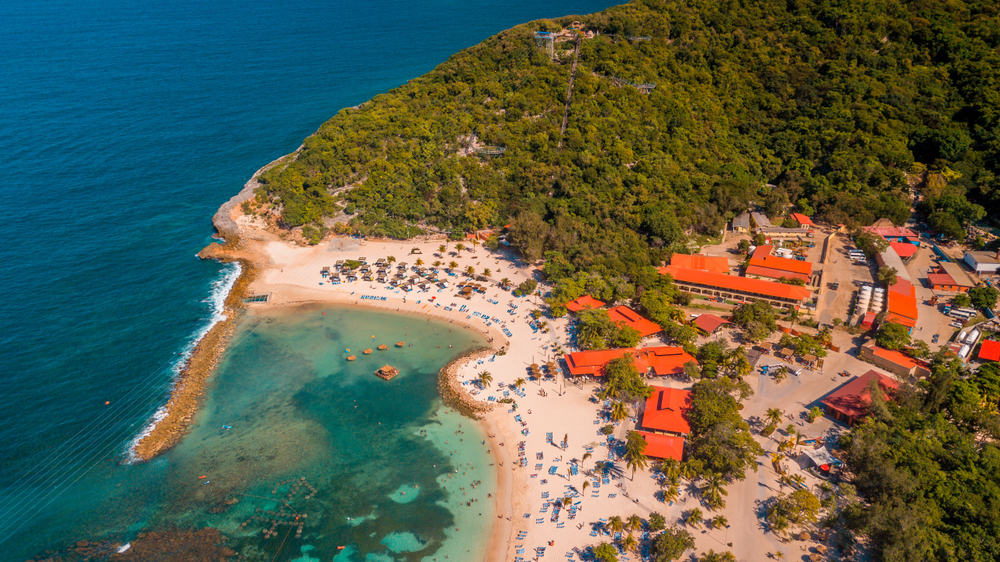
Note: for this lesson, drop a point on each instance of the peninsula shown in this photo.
(664, 218)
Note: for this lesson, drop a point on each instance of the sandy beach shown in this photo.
(541, 500)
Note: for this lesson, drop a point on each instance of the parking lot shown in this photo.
(840, 269)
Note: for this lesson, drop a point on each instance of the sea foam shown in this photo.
(216, 299)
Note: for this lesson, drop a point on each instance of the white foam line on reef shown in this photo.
(217, 299)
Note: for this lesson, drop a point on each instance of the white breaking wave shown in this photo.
(217, 299)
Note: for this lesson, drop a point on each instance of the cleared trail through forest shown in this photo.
(569, 92)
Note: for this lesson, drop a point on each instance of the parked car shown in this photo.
(935, 338)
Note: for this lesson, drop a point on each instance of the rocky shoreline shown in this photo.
(451, 390)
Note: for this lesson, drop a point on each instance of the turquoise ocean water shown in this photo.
(123, 126)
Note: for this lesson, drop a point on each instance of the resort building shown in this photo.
(889, 258)
(763, 263)
(949, 277)
(784, 232)
(742, 222)
(804, 221)
(708, 323)
(586, 302)
(661, 361)
(989, 351)
(664, 422)
(901, 304)
(625, 316)
(983, 262)
(904, 250)
(741, 289)
(716, 264)
(760, 220)
(850, 402)
(895, 362)
(893, 233)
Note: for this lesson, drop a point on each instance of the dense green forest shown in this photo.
(825, 105)
(928, 467)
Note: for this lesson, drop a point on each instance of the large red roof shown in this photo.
(941, 280)
(716, 264)
(665, 409)
(904, 249)
(891, 231)
(583, 303)
(853, 398)
(764, 263)
(733, 283)
(663, 360)
(901, 304)
(802, 219)
(625, 316)
(661, 446)
(708, 323)
(990, 350)
(894, 356)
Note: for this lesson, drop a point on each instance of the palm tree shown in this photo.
(505, 282)
(487, 272)
(391, 259)
(519, 382)
(442, 248)
(619, 411)
(671, 469)
(485, 378)
(585, 457)
(693, 517)
(719, 521)
(420, 261)
(437, 263)
(586, 484)
(713, 490)
(470, 270)
(635, 452)
(634, 523)
(616, 524)
(452, 264)
(773, 416)
(630, 543)
(671, 494)
(566, 501)
(459, 246)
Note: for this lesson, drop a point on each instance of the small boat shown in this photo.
(383, 347)
(367, 351)
(351, 357)
(387, 372)
(400, 343)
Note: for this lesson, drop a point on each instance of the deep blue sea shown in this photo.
(123, 125)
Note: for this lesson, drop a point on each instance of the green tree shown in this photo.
(720, 441)
(605, 552)
(758, 319)
(713, 556)
(713, 491)
(657, 522)
(623, 382)
(871, 244)
(892, 336)
(635, 452)
(693, 517)
(887, 276)
(619, 411)
(984, 297)
(799, 507)
(671, 545)
(485, 379)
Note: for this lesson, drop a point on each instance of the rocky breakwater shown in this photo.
(452, 391)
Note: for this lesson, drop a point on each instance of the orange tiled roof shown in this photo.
(802, 219)
(894, 356)
(853, 398)
(990, 350)
(665, 409)
(661, 446)
(733, 283)
(716, 264)
(904, 249)
(901, 304)
(663, 360)
(775, 266)
(583, 303)
(625, 316)
(709, 322)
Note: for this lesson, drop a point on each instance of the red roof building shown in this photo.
(850, 402)
(905, 250)
(660, 446)
(890, 232)
(764, 264)
(901, 304)
(585, 302)
(666, 409)
(660, 360)
(715, 264)
(625, 316)
(803, 220)
(713, 285)
(708, 323)
(897, 363)
(989, 351)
